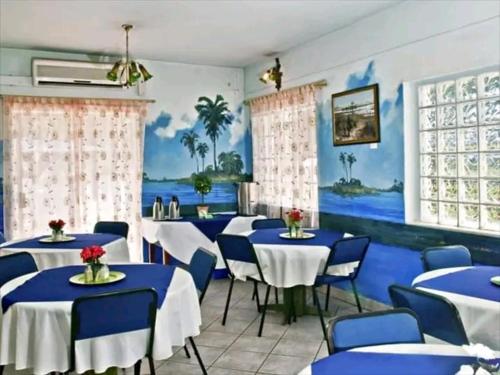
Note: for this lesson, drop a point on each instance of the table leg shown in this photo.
(150, 252)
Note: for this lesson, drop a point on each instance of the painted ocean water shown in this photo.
(387, 206)
(222, 192)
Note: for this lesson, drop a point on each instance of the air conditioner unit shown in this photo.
(66, 72)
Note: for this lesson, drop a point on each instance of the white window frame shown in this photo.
(412, 152)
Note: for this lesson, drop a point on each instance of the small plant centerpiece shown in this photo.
(202, 186)
(95, 270)
(57, 229)
(295, 217)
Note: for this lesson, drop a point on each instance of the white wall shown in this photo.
(430, 37)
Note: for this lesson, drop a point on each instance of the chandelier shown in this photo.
(128, 72)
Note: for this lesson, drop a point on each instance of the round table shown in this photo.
(35, 330)
(181, 238)
(475, 297)
(51, 255)
(287, 263)
(396, 359)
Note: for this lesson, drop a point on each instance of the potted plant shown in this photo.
(202, 186)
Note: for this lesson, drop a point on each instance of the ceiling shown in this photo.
(227, 33)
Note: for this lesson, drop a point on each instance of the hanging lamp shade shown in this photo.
(128, 71)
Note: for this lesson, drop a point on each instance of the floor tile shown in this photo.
(177, 368)
(254, 344)
(283, 365)
(239, 360)
(302, 348)
(270, 330)
(216, 339)
(208, 355)
(225, 371)
(231, 326)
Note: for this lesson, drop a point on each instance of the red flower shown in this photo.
(91, 254)
(295, 215)
(56, 224)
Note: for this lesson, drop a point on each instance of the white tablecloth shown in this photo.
(285, 266)
(45, 258)
(181, 239)
(447, 350)
(36, 335)
(480, 317)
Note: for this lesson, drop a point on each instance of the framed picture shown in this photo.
(355, 116)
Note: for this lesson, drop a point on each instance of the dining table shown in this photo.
(35, 318)
(475, 296)
(183, 236)
(395, 359)
(292, 264)
(65, 253)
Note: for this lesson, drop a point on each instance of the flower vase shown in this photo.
(92, 272)
(57, 235)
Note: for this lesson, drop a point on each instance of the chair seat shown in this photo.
(331, 279)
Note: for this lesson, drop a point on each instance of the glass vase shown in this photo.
(57, 235)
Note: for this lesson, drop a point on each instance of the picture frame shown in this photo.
(355, 116)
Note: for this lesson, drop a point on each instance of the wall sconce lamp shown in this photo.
(273, 75)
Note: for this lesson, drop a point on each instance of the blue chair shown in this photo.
(398, 326)
(345, 250)
(201, 267)
(119, 312)
(15, 265)
(446, 256)
(239, 248)
(2, 238)
(120, 228)
(268, 223)
(438, 316)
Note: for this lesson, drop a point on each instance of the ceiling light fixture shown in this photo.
(273, 75)
(128, 72)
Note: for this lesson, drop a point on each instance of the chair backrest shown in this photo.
(349, 249)
(15, 265)
(112, 313)
(446, 256)
(438, 317)
(201, 267)
(398, 326)
(237, 248)
(119, 228)
(268, 223)
(2, 238)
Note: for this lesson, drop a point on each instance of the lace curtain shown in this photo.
(75, 159)
(284, 152)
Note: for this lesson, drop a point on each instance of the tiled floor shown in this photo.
(235, 349)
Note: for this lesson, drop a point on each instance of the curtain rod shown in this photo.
(320, 83)
(79, 98)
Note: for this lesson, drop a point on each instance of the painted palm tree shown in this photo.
(231, 163)
(351, 159)
(189, 139)
(342, 158)
(216, 117)
(202, 149)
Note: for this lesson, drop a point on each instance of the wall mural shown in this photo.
(216, 142)
(358, 180)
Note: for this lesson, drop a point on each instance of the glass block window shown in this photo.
(459, 122)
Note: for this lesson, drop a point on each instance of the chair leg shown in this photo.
(256, 291)
(276, 295)
(187, 351)
(197, 354)
(268, 290)
(358, 303)
(137, 367)
(227, 302)
(320, 312)
(327, 300)
(151, 366)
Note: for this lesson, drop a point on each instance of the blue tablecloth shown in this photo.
(210, 227)
(271, 237)
(53, 285)
(82, 240)
(473, 282)
(357, 363)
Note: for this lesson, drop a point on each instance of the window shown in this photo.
(459, 130)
